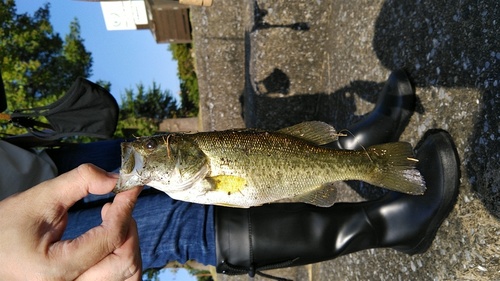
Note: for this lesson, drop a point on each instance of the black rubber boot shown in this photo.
(387, 121)
(283, 235)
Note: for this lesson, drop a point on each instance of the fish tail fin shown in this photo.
(395, 168)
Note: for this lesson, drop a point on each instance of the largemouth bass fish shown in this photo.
(248, 167)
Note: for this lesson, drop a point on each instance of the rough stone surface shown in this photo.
(270, 64)
(179, 125)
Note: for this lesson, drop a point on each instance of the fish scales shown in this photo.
(274, 160)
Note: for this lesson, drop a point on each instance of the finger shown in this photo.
(88, 179)
(105, 209)
(72, 186)
(123, 264)
(79, 254)
(135, 270)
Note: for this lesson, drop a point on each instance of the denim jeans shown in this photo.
(169, 230)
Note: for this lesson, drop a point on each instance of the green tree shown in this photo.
(141, 111)
(37, 65)
(76, 60)
(182, 53)
(151, 275)
(201, 275)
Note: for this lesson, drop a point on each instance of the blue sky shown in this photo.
(123, 58)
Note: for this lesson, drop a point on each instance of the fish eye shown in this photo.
(151, 144)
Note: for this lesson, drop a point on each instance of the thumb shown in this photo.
(68, 188)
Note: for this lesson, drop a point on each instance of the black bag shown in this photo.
(87, 109)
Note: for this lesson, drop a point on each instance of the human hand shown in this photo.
(32, 223)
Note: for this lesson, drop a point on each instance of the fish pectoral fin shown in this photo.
(324, 196)
(316, 132)
(227, 183)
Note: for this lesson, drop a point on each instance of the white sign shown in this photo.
(124, 15)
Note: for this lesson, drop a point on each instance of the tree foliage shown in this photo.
(142, 111)
(182, 53)
(36, 62)
(154, 103)
(201, 275)
(37, 65)
(154, 274)
(151, 274)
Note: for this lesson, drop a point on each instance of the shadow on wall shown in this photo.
(288, 110)
(261, 23)
(452, 44)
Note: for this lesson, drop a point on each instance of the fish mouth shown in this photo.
(129, 162)
(132, 165)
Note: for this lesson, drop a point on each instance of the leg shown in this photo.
(387, 121)
(282, 235)
(169, 230)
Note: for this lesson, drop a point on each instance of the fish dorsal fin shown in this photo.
(316, 132)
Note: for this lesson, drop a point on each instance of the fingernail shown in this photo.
(113, 175)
